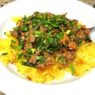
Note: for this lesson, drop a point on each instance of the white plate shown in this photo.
(13, 85)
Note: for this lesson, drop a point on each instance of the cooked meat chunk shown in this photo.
(72, 45)
(32, 60)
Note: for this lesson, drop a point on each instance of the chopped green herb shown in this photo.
(33, 50)
(71, 23)
(16, 28)
(78, 41)
(4, 33)
(87, 38)
(4, 54)
(25, 19)
(29, 64)
(61, 28)
(61, 59)
(21, 44)
(29, 51)
(20, 55)
(60, 35)
(71, 66)
(68, 32)
(38, 34)
(24, 28)
(13, 44)
(41, 59)
(12, 41)
(79, 27)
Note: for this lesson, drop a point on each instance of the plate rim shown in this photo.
(75, 83)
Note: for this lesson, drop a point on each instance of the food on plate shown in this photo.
(44, 46)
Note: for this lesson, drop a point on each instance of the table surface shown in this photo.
(4, 2)
(90, 2)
